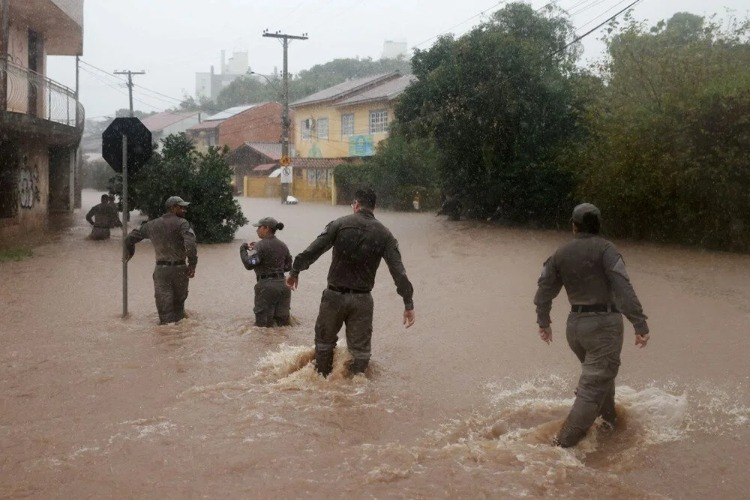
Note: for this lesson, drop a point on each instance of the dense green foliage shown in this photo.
(498, 104)
(398, 172)
(667, 153)
(14, 254)
(249, 89)
(201, 179)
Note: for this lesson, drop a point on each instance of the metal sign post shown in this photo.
(126, 146)
(125, 220)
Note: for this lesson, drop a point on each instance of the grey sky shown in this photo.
(173, 39)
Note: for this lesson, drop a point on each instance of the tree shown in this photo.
(498, 104)
(201, 178)
(246, 89)
(666, 154)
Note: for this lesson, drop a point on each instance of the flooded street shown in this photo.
(461, 405)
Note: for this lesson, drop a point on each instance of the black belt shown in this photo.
(594, 308)
(271, 276)
(170, 262)
(340, 289)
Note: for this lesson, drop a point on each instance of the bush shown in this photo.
(202, 179)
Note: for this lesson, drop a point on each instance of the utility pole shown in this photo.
(285, 112)
(130, 84)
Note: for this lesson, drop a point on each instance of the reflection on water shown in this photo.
(463, 404)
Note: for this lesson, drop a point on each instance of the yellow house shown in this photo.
(347, 120)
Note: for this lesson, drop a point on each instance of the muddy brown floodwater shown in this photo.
(462, 405)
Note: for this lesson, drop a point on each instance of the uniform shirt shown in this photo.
(359, 242)
(172, 236)
(103, 215)
(593, 272)
(272, 257)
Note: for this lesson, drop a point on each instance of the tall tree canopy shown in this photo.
(667, 152)
(498, 103)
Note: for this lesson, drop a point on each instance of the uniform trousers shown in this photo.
(355, 310)
(272, 302)
(596, 339)
(170, 292)
(99, 233)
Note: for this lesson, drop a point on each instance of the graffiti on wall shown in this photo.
(28, 185)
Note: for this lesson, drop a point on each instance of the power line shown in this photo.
(578, 39)
(461, 23)
(111, 75)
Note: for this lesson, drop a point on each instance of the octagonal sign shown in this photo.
(139, 143)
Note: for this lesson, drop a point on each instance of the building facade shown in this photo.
(341, 124)
(167, 123)
(347, 120)
(41, 121)
(235, 126)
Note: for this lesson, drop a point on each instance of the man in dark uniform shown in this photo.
(270, 258)
(103, 217)
(599, 290)
(174, 241)
(359, 242)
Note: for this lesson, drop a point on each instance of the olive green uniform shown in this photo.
(359, 243)
(174, 241)
(270, 260)
(102, 216)
(599, 290)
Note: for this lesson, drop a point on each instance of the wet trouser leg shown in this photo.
(99, 233)
(596, 339)
(180, 284)
(359, 331)
(266, 297)
(281, 312)
(330, 319)
(170, 292)
(272, 300)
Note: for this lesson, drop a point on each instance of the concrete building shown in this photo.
(41, 121)
(394, 49)
(209, 85)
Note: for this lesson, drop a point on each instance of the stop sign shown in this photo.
(139, 143)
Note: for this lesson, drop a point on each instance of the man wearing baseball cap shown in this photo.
(174, 241)
(599, 290)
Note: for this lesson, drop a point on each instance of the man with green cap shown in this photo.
(174, 241)
(599, 290)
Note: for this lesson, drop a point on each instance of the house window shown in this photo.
(305, 127)
(379, 121)
(322, 128)
(347, 124)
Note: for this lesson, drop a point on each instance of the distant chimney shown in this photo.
(223, 62)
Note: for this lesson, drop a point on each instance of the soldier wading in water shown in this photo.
(599, 290)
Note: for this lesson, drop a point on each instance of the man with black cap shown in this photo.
(359, 243)
(270, 259)
(599, 290)
(174, 241)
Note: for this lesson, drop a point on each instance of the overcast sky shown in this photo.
(171, 40)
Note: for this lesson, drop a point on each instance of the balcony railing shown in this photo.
(33, 94)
